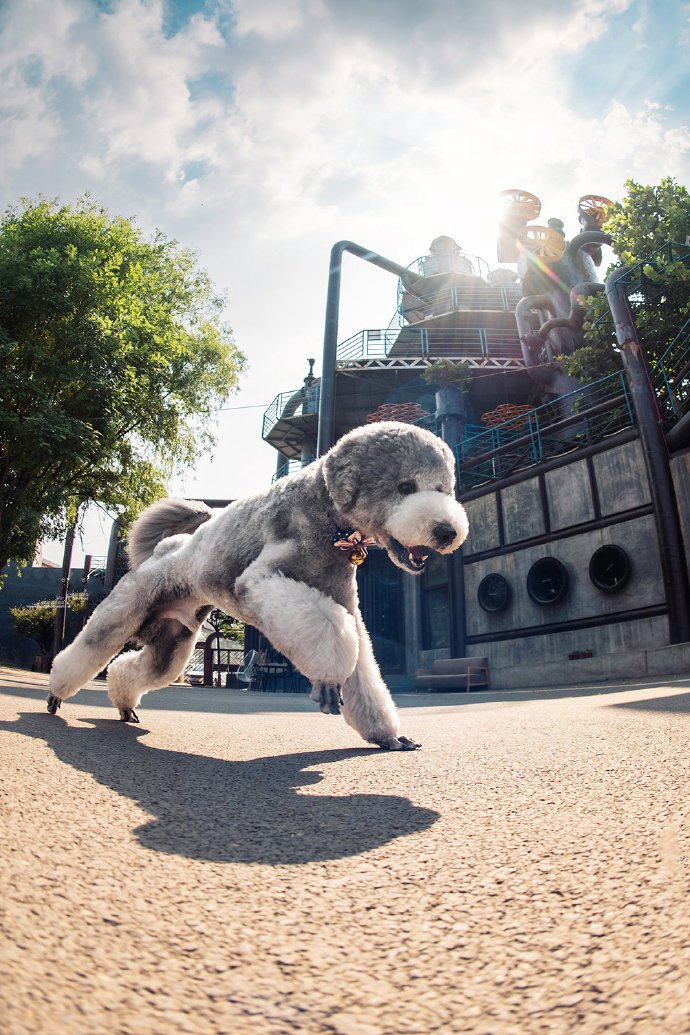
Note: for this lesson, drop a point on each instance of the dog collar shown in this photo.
(353, 543)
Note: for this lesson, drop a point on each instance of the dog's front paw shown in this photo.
(128, 715)
(328, 697)
(53, 703)
(398, 744)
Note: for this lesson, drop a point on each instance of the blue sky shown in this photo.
(259, 132)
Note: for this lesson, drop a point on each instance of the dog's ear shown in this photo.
(342, 476)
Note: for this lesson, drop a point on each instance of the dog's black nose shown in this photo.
(444, 534)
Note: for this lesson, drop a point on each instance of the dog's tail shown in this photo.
(167, 517)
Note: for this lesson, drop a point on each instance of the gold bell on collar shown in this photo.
(356, 544)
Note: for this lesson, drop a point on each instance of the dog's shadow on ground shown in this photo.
(225, 811)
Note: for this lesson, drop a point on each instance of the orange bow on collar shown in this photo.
(355, 543)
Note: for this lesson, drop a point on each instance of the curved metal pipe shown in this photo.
(591, 241)
(672, 553)
(576, 317)
(523, 310)
(528, 342)
(586, 239)
(411, 283)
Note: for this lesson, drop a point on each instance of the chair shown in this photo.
(455, 674)
(246, 670)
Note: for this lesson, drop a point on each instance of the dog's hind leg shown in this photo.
(168, 648)
(113, 622)
(367, 704)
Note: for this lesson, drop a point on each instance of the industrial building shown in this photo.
(578, 494)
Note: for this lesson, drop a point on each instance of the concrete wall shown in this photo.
(26, 586)
(567, 513)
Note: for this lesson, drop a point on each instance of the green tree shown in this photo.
(646, 219)
(225, 626)
(114, 353)
(595, 361)
(644, 226)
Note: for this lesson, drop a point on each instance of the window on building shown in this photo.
(436, 604)
(381, 602)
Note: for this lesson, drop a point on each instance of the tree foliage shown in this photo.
(592, 362)
(648, 228)
(647, 218)
(114, 352)
(226, 626)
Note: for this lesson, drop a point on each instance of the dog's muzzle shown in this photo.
(423, 522)
(411, 557)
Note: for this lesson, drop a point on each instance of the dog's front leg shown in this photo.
(317, 634)
(367, 704)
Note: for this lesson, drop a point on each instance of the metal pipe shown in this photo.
(586, 239)
(576, 317)
(539, 372)
(61, 609)
(111, 561)
(411, 282)
(655, 452)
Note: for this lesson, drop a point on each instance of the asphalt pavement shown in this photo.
(240, 863)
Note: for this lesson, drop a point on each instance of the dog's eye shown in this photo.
(407, 488)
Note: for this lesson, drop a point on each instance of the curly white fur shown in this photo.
(413, 520)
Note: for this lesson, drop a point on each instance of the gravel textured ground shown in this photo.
(240, 863)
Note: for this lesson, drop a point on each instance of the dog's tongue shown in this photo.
(417, 555)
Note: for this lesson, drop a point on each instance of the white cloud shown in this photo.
(273, 19)
(263, 135)
(140, 100)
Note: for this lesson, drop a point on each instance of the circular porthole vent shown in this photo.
(493, 593)
(547, 581)
(609, 568)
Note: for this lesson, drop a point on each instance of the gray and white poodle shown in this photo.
(283, 561)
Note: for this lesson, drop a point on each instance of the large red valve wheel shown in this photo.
(528, 205)
(594, 207)
(543, 241)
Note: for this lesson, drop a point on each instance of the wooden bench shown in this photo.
(455, 674)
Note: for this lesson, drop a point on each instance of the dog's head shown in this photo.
(396, 482)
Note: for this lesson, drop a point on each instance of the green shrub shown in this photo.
(38, 620)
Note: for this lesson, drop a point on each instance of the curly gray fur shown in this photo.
(269, 560)
(165, 518)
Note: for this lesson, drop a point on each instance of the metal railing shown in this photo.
(297, 403)
(458, 299)
(428, 265)
(569, 422)
(671, 375)
(289, 467)
(431, 343)
(639, 283)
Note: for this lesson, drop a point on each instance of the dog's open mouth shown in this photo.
(411, 557)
